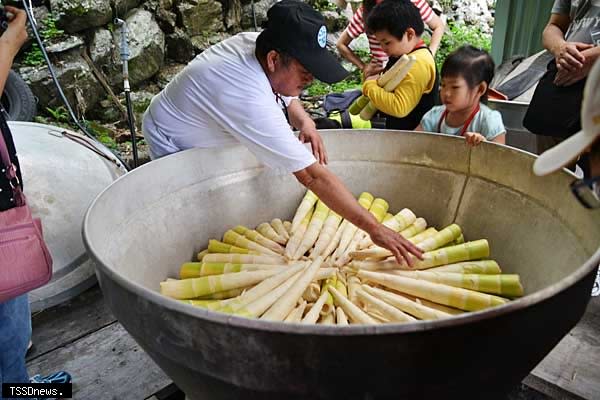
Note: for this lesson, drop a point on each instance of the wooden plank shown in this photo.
(107, 364)
(171, 392)
(523, 392)
(574, 364)
(82, 337)
(72, 320)
(552, 391)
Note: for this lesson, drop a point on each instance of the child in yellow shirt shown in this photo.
(398, 27)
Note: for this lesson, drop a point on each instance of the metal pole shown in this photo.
(126, 87)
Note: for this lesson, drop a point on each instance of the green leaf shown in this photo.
(457, 35)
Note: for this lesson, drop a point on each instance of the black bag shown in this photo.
(5, 184)
(555, 110)
(340, 101)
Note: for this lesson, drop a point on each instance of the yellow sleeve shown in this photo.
(406, 96)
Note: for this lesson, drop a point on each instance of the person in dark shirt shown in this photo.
(585, 142)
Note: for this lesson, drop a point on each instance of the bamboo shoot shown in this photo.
(306, 206)
(463, 299)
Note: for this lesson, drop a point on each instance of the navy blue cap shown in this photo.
(299, 30)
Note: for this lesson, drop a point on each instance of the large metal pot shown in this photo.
(61, 178)
(147, 223)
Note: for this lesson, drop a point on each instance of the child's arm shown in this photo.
(500, 139)
(372, 70)
(438, 27)
(419, 128)
(493, 128)
(404, 98)
(346, 52)
(355, 27)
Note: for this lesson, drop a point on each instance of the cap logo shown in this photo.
(322, 36)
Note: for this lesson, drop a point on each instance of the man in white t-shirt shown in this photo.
(234, 93)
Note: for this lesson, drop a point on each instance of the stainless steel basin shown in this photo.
(141, 228)
(61, 177)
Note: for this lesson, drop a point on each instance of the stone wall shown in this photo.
(470, 12)
(163, 36)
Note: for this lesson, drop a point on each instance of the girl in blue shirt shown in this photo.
(466, 75)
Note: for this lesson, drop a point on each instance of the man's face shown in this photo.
(289, 79)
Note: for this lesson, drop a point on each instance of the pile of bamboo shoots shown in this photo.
(320, 268)
(389, 81)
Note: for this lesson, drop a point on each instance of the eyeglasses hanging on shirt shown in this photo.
(283, 106)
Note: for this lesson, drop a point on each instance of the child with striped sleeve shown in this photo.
(378, 56)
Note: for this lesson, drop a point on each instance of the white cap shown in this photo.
(568, 151)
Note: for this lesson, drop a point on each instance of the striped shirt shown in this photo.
(357, 26)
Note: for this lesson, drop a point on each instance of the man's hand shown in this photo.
(16, 34)
(474, 138)
(300, 120)
(310, 134)
(569, 56)
(401, 248)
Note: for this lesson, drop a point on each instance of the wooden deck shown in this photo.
(83, 337)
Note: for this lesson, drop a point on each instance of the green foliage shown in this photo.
(59, 117)
(59, 114)
(79, 10)
(318, 88)
(51, 31)
(363, 54)
(459, 34)
(140, 107)
(47, 120)
(34, 56)
(446, 5)
(323, 5)
(101, 133)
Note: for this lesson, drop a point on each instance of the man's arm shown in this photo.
(332, 191)
(308, 132)
(299, 118)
